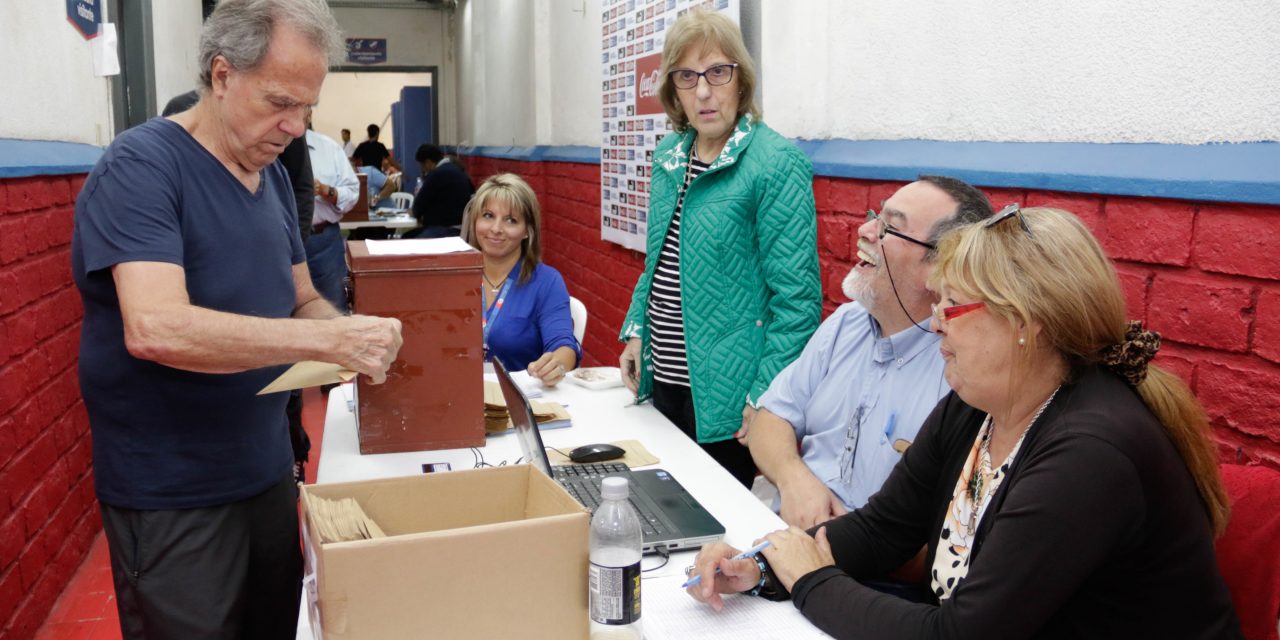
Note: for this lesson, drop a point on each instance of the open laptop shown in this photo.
(669, 516)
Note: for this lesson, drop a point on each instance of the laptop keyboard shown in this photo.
(582, 481)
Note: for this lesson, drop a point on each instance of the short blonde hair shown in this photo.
(706, 29)
(1058, 277)
(511, 190)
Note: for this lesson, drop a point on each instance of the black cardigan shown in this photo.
(1098, 531)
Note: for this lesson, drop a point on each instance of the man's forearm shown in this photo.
(197, 339)
(773, 446)
(316, 309)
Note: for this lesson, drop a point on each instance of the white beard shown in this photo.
(858, 288)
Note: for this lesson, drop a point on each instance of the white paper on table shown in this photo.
(529, 385)
(105, 60)
(668, 612)
(417, 246)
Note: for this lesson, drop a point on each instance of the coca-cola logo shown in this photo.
(649, 85)
(648, 80)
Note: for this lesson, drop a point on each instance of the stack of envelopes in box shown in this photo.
(550, 415)
(342, 520)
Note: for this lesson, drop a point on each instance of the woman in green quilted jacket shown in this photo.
(730, 290)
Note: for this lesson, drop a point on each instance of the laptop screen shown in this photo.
(522, 418)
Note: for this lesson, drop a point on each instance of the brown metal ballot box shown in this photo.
(434, 394)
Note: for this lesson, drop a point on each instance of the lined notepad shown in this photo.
(669, 612)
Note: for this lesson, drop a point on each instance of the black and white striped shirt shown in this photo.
(666, 317)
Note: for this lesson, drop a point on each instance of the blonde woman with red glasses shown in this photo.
(1066, 488)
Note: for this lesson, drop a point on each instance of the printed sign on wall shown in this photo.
(633, 119)
(85, 15)
(366, 50)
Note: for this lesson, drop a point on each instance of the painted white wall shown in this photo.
(175, 31)
(575, 74)
(1171, 71)
(415, 36)
(496, 83)
(47, 87)
(529, 72)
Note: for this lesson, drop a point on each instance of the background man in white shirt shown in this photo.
(337, 190)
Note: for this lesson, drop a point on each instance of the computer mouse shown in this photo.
(596, 453)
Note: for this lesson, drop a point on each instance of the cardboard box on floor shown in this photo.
(487, 553)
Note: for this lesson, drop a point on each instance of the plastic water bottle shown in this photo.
(614, 579)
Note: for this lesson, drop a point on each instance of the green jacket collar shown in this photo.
(677, 157)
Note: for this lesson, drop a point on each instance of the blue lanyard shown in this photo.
(491, 315)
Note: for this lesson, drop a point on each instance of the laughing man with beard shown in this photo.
(869, 376)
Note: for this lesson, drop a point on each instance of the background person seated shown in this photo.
(443, 196)
(383, 182)
(393, 183)
(526, 305)
(1066, 488)
(871, 374)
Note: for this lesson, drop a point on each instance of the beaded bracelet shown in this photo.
(764, 577)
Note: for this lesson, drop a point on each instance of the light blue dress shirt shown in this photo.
(850, 374)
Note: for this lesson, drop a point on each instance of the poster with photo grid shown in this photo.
(633, 32)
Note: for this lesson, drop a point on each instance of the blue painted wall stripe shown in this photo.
(541, 153)
(24, 158)
(1246, 172)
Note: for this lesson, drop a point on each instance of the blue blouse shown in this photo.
(534, 319)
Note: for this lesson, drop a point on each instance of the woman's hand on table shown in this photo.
(629, 362)
(548, 369)
(792, 554)
(735, 575)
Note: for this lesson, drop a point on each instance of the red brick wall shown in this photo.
(1206, 275)
(48, 516)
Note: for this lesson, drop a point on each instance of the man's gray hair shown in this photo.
(240, 31)
(971, 206)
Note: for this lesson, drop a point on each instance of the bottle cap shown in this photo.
(613, 488)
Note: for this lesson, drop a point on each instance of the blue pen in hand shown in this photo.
(749, 553)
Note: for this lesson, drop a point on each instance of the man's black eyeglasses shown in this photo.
(688, 78)
(884, 228)
(1011, 211)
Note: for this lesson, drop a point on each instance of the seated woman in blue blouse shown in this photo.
(526, 305)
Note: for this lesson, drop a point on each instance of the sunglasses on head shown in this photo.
(1011, 211)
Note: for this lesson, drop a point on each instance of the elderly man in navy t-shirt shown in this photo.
(196, 294)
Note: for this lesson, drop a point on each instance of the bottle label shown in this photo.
(615, 594)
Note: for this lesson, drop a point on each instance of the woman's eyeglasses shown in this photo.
(883, 228)
(1011, 211)
(946, 314)
(688, 78)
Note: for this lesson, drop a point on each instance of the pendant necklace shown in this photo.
(492, 287)
(983, 476)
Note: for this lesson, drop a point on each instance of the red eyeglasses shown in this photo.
(947, 314)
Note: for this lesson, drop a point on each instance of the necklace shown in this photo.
(983, 477)
(492, 287)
